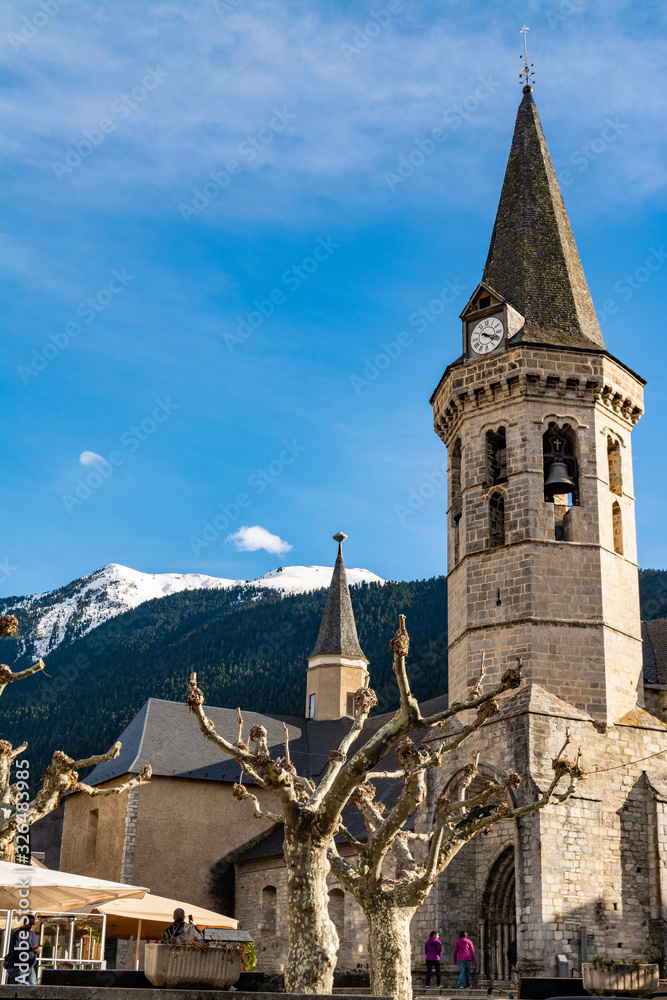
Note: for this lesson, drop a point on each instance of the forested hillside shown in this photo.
(653, 593)
(246, 652)
(247, 649)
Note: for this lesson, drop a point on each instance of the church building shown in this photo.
(537, 419)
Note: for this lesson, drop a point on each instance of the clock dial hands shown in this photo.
(486, 335)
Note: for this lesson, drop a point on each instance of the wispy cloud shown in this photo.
(255, 538)
(353, 118)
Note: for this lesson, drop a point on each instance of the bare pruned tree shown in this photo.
(312, 814)
(389, 901)
(17, 810)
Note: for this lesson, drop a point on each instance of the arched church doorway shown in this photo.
(498, 924)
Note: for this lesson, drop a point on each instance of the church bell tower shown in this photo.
(537, 417)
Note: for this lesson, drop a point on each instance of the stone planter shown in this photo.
(620, 980)
(205, 965)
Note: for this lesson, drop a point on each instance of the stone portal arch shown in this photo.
(498, 923)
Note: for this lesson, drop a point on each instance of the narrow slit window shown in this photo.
(614, 463)
(496, 520)
(457, 537)
(349, 704)
(617, 527)
(455, 477)
(269, 909)
(311, 707)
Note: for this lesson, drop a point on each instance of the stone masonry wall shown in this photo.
(584, 867)
(582, 581)
(271, 937)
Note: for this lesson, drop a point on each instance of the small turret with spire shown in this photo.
(337, 665)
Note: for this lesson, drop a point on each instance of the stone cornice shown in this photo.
(450, 407)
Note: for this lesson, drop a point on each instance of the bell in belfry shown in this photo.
(558, 480)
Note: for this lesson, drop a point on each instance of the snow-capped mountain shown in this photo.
(47, 620)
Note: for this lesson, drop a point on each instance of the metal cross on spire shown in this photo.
(527, 75)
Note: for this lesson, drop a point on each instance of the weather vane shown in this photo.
(527, 74)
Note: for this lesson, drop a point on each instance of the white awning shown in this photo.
(44, 889)
(149, 917)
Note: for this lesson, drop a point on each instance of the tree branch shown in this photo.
(469, 826)
(412, 794)
(342, 868)
(266, 773)
(79, 765)
(144, 775)
(357, 844)
(406, 720)
(240, 792)
(60, 777)
(400, 646)
(7, 677)
(286, 731)
(364, 700)
(511, 679)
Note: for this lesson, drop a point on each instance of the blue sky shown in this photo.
(201, 249)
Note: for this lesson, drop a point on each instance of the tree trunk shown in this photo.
(390, 949)
(313, 941)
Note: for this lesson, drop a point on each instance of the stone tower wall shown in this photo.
(592, 866)
(535, 594)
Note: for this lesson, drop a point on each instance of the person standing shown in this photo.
(433, 952)
(464, 956)
(22, 955)
(511, 957)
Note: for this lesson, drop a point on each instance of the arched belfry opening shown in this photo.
(561, 468)
(498, 925)
(561, 477)
(496, 457)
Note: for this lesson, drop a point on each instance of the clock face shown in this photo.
(486, 335)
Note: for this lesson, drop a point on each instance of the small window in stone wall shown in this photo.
(456, 496)
(269, 909)
(457, 537)
(614, 463)
(337, 911)
(455, 476)
(496, 520)
(496, 457)
(349, 704)
(617, 527)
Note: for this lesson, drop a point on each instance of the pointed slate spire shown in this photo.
(338, 631)
(533, 260)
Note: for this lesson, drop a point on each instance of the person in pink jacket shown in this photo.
(433, 951)
(464, 955)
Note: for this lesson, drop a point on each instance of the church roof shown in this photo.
(166, 735)
(654, 646)
(338, 630)
(533, 260)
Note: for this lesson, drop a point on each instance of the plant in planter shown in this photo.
(612, 976)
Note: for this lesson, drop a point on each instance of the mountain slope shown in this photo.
(61, 616)
(248, 645)
(248, 652)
